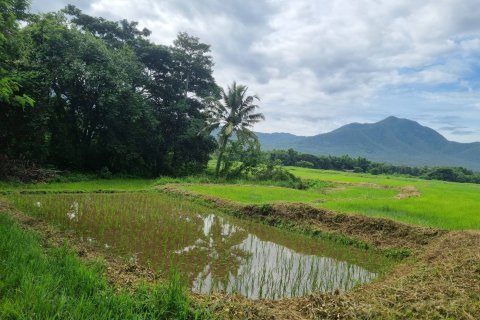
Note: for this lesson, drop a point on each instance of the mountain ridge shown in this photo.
(392, 140)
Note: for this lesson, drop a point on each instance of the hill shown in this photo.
(392, 140)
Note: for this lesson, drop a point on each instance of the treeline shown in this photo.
(346, 163)
(86, 94)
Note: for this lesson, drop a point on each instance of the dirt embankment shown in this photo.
(408, 192)
(403, 192)
(380, 233)
(442, 283)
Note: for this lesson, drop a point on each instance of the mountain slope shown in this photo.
(392, 140)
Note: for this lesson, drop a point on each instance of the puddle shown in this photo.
(215, 252)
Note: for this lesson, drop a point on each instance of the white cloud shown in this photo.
(320, 64)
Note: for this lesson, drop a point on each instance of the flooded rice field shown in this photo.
(215, 252)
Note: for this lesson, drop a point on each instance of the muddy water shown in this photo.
(215, 252)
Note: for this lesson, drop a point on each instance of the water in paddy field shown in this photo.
(215, 252)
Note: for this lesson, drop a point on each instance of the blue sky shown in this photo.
(317, 65)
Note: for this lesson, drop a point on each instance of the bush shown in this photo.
(105, 173)
(304, 164)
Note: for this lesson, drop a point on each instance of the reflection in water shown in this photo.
(215, 253)
(242, 263)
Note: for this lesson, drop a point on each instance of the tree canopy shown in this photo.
(105, 95)
(11, 12)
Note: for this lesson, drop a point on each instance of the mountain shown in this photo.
(392, 140)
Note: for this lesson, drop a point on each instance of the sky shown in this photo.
(320, 64)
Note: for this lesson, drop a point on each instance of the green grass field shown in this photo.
(41, 282)
(446, 205)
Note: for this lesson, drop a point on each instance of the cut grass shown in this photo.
(37, 283)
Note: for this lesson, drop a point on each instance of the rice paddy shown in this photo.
(187, 230)
(427, 203)
(216, 253)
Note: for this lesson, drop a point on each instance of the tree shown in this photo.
(105, 96)
(11, 11)
(234, 114)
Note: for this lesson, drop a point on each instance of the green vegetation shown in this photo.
(38, 283)
(420, 202)
(214, 252)
(107, 99)
(432, 203)
(133, 184)
(351, 177)
(233, 115)
(254, 194)
(81, 186)
(91, 108)
(411, 200)
(10, 77)
(291, 157)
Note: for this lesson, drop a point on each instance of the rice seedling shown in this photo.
(52, 283)
(213, 252)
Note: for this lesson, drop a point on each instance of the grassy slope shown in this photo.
(38, 283)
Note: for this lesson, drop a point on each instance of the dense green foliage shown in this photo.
(11, 11)
(106, 98)
(55, 285)
(346, 163)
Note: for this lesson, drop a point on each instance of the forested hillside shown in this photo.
(392, 140)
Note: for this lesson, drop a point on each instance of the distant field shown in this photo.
(439, 204)
(82, 186)
(339, 176)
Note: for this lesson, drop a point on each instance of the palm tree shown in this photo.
(234, 114)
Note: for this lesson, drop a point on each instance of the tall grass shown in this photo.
(37, 283)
